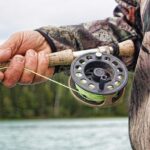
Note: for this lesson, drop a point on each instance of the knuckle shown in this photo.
(31, 52)
(42, 59)
(31, 61)
(42, 54)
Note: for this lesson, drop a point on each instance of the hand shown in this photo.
(26, 49)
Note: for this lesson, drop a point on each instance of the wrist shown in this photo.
(51, 45)
(48, 39)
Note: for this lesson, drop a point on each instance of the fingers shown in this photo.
(43, 66)
(36, 63)
(14, 72)
(18, 73)
(43, 62)
(15, 48)
(31, 64)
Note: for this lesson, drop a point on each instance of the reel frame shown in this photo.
(103, 64)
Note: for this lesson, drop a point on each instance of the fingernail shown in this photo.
(4, 51)
(19, 59)
(31, 53)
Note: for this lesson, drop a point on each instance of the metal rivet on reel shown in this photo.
(99, 79)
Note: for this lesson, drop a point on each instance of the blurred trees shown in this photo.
(49, 100)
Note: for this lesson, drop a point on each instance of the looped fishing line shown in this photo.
(44, 77)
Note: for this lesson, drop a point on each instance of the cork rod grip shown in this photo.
(64, 57)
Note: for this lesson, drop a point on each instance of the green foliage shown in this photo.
(49, 100)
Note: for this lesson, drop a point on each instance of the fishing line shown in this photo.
(96, 80)
(44, 77)
(79, 90)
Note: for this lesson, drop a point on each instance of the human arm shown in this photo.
(26, 49)
(124, 25)
(121, 27)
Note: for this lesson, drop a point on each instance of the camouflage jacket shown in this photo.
(126, 24)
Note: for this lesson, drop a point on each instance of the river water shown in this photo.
(76, 134)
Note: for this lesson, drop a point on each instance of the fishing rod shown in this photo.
(98, 77)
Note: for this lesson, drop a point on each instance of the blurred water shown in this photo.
(78, 134)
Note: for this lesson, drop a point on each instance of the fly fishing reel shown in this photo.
(99, 79)
(96, 79)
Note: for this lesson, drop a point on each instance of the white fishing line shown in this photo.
(47, 78)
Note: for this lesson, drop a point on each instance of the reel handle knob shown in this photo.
(64, 57)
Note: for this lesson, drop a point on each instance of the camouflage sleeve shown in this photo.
(124, 25)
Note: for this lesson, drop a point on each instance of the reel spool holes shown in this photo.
(100, 79)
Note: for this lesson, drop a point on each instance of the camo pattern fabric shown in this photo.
(125, 24)
(140, 98)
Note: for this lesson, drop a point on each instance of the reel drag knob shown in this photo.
(99, 81)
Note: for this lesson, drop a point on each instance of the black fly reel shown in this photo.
(99, 79)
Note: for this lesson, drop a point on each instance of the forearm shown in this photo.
(89, 35)
(93, 34)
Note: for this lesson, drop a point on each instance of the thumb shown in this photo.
(5, 54)
(8, 48)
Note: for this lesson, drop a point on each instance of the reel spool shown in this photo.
(99, 79)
